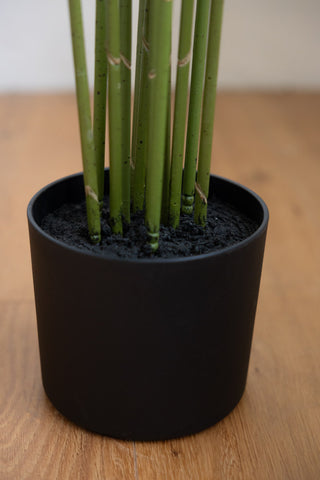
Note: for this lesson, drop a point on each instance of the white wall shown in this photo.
(265, 44)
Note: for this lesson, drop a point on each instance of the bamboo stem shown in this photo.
(115, 114)
(180, 110)
(210, 88)
(125, 47)
(167, 161)
(140, 123)
(100, 94)
(160, 50)
(195, 105)
(85, 123)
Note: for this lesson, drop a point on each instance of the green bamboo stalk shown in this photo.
(125, 55)
(100, 94)
(180, 110)
(137, 84)
(85, 122)
(115, 114)
(195, 105)
(167, 162)
(203, 177)
(140, 124)
(160, 51)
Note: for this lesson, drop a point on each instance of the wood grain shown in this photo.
(269, 142)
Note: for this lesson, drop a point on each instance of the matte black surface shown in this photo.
(145, 349)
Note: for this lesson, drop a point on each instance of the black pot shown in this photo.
(146, 349)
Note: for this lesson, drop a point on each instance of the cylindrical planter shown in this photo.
(145, 349)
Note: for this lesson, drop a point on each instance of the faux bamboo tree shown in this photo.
(100, 91)
(115, 114)
(140, 125)
(180, 110)
(195, 104)
(160, 52)
(85, 122)
(154, 171)
(125, 55)
(202, 185)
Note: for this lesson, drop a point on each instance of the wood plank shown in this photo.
(36, 442)
(269, 142)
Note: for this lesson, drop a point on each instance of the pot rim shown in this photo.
(178, 259)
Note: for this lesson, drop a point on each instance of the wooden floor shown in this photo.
(269, 142)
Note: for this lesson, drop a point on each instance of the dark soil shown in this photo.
(225, 227)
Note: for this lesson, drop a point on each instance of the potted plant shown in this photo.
(153, 344)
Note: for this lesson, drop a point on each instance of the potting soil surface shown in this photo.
(225, 226)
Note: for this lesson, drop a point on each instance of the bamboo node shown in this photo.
(153, 241)
(113, 60)
(184, 61)
(145, 44)
(90, 193)
(125, 61)
(200, 193)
